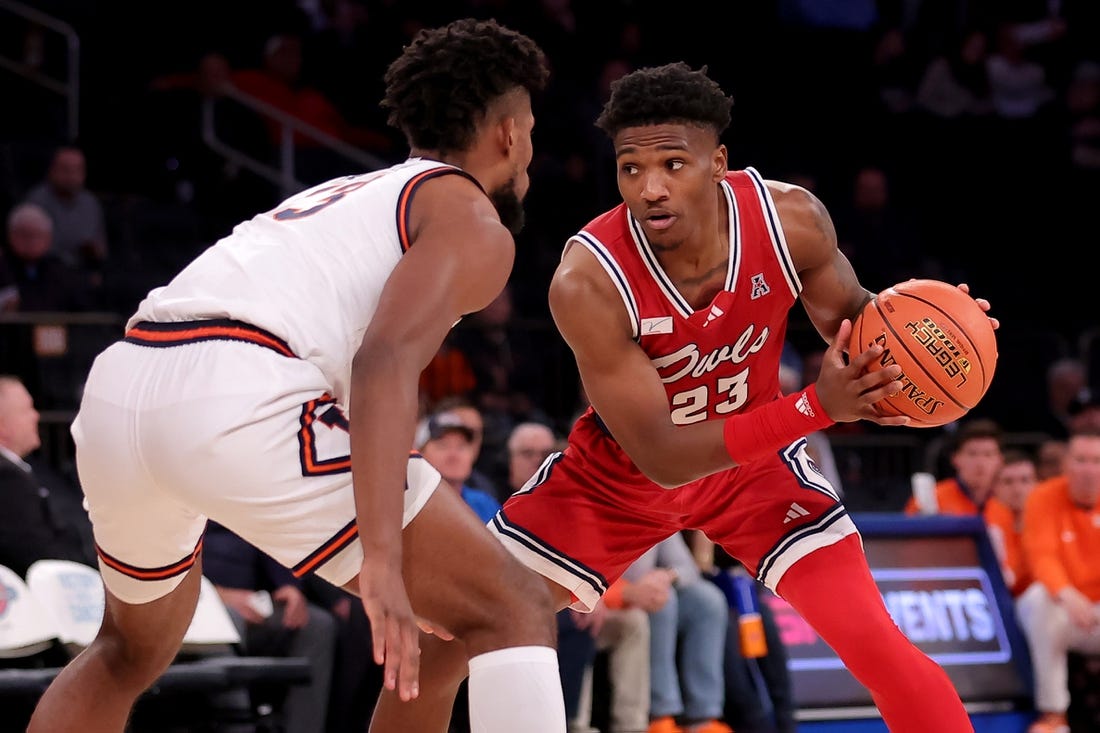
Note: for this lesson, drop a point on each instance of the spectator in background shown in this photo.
(1067, 378)
(688, 621)
(1018, 84)
(79, 225)
(1049, 457)
(280, 83)
(448, 444)
(1084, 411)
(955, 84)
(481, 476)
(448, 374)
(274, 618)
(976, 457)
(759, 698)
(877, 233)
(43, 516)
(529, 445)
(1061, 611)
(622, 631)
(45, 282)
(1004, 513)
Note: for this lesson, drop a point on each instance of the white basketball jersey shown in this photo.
(311, 270)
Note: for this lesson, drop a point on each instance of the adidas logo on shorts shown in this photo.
(795, 512)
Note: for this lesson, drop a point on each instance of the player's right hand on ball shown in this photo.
(849, 391)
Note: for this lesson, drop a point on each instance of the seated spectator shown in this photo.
(1004, 514)
(1060, 612)
(529, 445)
(448, 444)
(688, 621)
(1084, 411)
(622, 632)
(1067, 378)
(481, 476)
(976, 457)
(1049, 456)
(759, 698)
(274, 618)
(79, 225)
(43, 515)
(44, 281)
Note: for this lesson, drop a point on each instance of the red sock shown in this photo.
(833, 591)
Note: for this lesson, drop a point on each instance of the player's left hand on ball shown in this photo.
(982, 303)
(849, 390)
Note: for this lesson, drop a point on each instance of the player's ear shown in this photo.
(720, 162)
(506, 132)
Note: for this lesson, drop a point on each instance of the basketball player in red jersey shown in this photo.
(675, 305)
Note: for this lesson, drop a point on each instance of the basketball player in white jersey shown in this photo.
(272, 386)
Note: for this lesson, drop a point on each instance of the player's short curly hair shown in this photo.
(661, 94)
(439, 88)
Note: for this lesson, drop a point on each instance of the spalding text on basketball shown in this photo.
(923, 401)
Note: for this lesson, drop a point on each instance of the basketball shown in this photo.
(941, 339)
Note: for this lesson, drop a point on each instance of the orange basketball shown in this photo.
(943, 342)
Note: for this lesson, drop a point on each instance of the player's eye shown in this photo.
(629, 169)
(675, 165)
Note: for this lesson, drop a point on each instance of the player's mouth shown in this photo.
(660, 220)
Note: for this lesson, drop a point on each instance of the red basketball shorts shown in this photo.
(588, 513)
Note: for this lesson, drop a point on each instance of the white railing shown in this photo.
(69, 87)
(283, 174)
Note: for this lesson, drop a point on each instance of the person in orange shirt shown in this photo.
(976, 458)
(1003, 516)
(1060, 612)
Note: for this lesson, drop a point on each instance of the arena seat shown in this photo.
(26, 627)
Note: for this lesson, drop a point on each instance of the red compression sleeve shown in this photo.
(775, 425)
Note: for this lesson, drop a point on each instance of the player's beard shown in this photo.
(509, 206)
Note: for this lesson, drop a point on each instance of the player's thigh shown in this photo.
(146, 539)
(459, 575)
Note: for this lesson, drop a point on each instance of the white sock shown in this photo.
(516, 689)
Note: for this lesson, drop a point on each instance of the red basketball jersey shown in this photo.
(724, 357)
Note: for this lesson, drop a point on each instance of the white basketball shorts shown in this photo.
(185, 421)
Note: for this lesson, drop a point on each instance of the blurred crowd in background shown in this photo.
(951, 139)
(955, 140)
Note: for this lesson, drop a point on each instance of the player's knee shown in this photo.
(524, 605)
(132, 665)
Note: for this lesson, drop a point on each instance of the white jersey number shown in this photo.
(690, 406)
